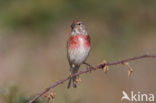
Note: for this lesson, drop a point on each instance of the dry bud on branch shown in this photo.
(90, 68)
(49, 95)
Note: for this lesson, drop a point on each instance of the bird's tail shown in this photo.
(72, 80)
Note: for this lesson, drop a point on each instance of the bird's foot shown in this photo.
(89, 67)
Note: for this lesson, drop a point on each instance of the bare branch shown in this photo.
(91, 68)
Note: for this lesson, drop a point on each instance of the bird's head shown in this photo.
(78, 27)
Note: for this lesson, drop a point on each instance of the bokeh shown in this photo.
(33, 35)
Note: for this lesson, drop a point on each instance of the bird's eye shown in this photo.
(79, 24)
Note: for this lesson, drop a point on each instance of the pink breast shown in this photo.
(76, 40)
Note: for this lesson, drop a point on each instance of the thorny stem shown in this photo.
(91, 68)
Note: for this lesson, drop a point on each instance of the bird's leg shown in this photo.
(89, 67)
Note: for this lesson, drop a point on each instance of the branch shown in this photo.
(100, 66)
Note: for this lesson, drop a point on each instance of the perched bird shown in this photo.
(78, 48)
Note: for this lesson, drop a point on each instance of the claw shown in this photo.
(88, 66)
(89, 69)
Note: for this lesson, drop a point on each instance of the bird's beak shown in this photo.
(72, 26)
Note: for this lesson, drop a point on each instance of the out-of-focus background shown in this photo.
(33, 35)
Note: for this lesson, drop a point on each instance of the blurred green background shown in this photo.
(33, 35)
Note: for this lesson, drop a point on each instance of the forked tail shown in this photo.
(72, 80)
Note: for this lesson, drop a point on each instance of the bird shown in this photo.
(78, 49)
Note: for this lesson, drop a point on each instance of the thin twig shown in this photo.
(100, 66)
